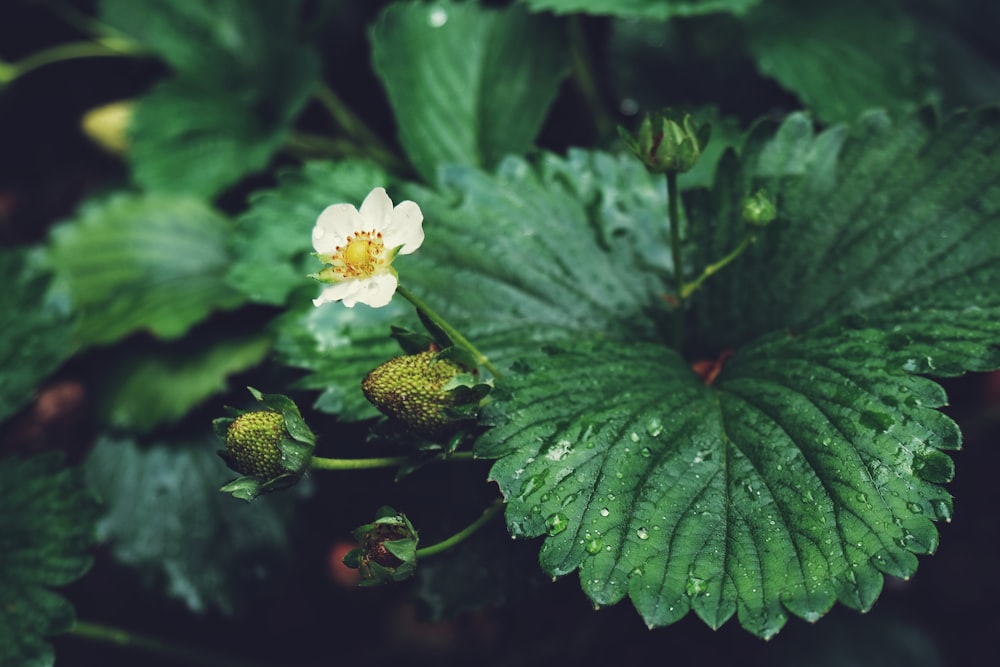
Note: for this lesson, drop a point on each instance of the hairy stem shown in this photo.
(463, 534)
(101, 48)
(583, 74)
(182, 654)
(356, 128)
(674, 213)
(322, 463)
(715, 267)
(452, 332)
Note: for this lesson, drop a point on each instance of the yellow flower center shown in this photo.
(361, 256)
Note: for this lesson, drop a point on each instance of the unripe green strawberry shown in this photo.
(252, 444)
(411, 389)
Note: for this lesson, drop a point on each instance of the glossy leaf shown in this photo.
(468, 85)
(152, 263)
(46, 533)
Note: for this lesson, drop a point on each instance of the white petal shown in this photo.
(333, 293)
(376, 291)
(376, 209)
(405, 228)
(333, 226)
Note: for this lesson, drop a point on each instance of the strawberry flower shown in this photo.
(359, 247)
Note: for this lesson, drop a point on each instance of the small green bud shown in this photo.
(759, 210)
(252, 444)
(668, 142)
(413, 389)
(388, 550)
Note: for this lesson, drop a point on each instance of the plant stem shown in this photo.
(102, 48)
(322, 463)
(463, 534)
(452, 332)
(351, 124)
(583, 73)
(674, 213)
(712, 269)
(186, 654)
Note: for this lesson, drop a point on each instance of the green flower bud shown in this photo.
(668, 142)
(414, 389)
(759, 210)
(252, 444)
(388, 550)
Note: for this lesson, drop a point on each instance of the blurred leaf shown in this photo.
(468, 85)
(35, 336)
(166, 518)
(651, 9)
(142, 263)
(152, 384)
(842, 58)
(46, 532)
(272, 244)
(242, 75)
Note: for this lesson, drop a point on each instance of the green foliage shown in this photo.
(651, 9)
(153, 384)
(811, 466)
(242, 75)
(46, 532)
(271, 245)
(133, 262)
(468, 85)
(842, 58)
(232, 553)
(36, 334)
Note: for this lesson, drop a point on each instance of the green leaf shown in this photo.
(242, 76)
(46, 532)
(36, 334)
(911, 251)
(811, 466)
(842, 58)
(151, 263)
(650, 9)
(272, 245)
(152, 384)
(167, 519)
(468, 85)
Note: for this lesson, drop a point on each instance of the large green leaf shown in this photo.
(166, 517)
(242, 74)
(46, 531)
(650, 9)
(272, 243)
(468, 85)
(151, 263)
(812, 464)
(842, 58)
(36, 335)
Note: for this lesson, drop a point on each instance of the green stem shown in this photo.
(322, 463)
(102, 48)
(463, 534)
(712, 269)
(351, 124)
(583, 73)
(187, 654)
(674, 213)
(452, 332)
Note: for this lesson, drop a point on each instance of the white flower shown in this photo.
(360, 245)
